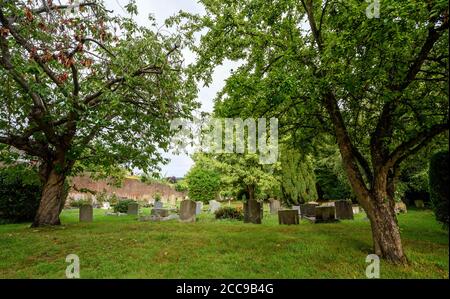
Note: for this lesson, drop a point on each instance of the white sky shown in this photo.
(161, 10)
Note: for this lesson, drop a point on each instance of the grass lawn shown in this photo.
(121, 247)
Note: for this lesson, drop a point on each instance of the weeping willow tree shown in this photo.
(298, 181)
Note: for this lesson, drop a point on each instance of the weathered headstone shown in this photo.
(133, 208)
(344, 209)
(187, 211)
(288, 217)
(419, 204)
(106, 205)
(158, 204)
(356, 209)
(86, 213)
(253, 212)
(325, 214)
(274, 206)
(160, 212)
(297, 208)
(198, 207)
(214, 205)
(400, 207)
(308, 209)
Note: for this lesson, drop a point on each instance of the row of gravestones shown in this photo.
(188, 211)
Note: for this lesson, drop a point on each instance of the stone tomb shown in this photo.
(274, 206)
(198, 207)
(253, 212)
(288, 217)
(160, 212)
(86, 213)
(187, 211)
(325, 214)
(308, 210)
(344, 209)
(133, 208)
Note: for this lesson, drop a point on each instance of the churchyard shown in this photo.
(124, 247)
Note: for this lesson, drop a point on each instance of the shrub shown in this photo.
(122, 206)
(203, 184)
(438, 185)
(80, 203)
(229, 213)
(20, 194)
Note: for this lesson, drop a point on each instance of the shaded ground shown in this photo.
(121, 247)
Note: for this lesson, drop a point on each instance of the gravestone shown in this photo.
(133, 208)
(86, 213)
(274, 206)
(253, 212)
(344, 210)
(160, 212)
(106, 205)
(187, 211)
(325, 214)
(214, 205)
(297, 208)
(158, 204)
(288, 217)
(419, 204)
(308, 209)
(198, 207)
(356, 209)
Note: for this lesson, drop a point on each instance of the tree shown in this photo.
(203, 181)
(84, 86)
(298, 181)
(379, 86)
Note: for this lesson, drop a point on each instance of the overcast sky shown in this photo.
(161, 10)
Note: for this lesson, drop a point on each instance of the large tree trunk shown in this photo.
(51, 199)
(385, 231)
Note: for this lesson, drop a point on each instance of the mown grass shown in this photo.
(121, 247)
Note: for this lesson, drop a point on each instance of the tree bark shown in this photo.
(385, 231)
(52, 197)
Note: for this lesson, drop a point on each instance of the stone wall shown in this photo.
(131, 189)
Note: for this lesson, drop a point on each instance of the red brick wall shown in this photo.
(131, 188)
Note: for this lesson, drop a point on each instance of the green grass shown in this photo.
(121, 247)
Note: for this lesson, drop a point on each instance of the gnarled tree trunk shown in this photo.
(52, 198)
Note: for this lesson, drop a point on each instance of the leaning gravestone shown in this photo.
(133, 208)
(198, 207)
(158, 205)
(274, 206)
(288, 217)
(187, 211)
(86, 213)
(214, 205)
(356, 209)
(253, 212)
(325, 214)
(344, 209)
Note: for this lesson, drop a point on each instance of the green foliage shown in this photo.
(229, 213)
(203, 183)
(80, 203)
(439, 182)
(298, 181)
(122, 205)
(181, 186)
(20, 192)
